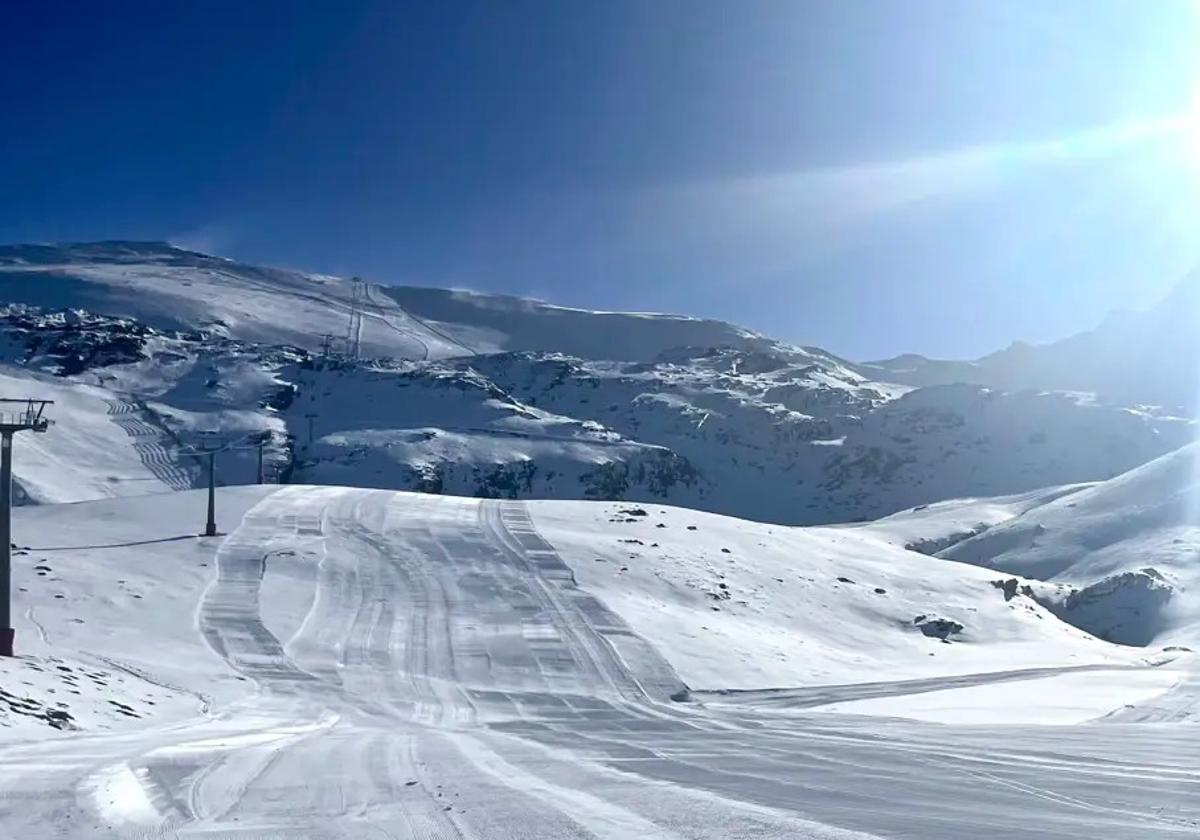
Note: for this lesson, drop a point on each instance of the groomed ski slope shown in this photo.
(103, 445)
(354, 663)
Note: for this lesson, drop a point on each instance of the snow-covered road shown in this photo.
(427, 667)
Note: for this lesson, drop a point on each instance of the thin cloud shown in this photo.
(777, 218)
(214, 238)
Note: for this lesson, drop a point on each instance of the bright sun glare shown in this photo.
(1191, 128)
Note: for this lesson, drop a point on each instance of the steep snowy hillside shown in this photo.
(443, 429)
(492, 396)
(956, 441)
(1124, 551)
(1150, 357)
(531, 425)
(808, 441)
(171, 288)
(100, 445)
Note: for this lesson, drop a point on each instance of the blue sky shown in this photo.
(874, 177)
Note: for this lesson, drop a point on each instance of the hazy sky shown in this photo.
(874, 177)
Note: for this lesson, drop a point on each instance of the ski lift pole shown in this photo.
(210, 527)
(10, 423)
(210, 452)
(263, 439)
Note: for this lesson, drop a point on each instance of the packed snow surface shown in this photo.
(1064, 698)
(349, 663)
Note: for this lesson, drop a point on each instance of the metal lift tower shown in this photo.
(358, 299)
(211, 450)
(13, 419)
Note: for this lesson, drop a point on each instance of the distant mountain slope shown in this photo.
(173, 288)
(813, 442)
(470, 394)
(1129, 548)
(1150, 357)
(740, 432)
(497, 323)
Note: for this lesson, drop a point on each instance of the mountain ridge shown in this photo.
(472, 394)
(1150, 356)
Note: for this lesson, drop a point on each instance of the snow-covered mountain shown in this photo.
(1122, 553)
(344, 660)
(1150, 357)
(175, 289)
(483, 395)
